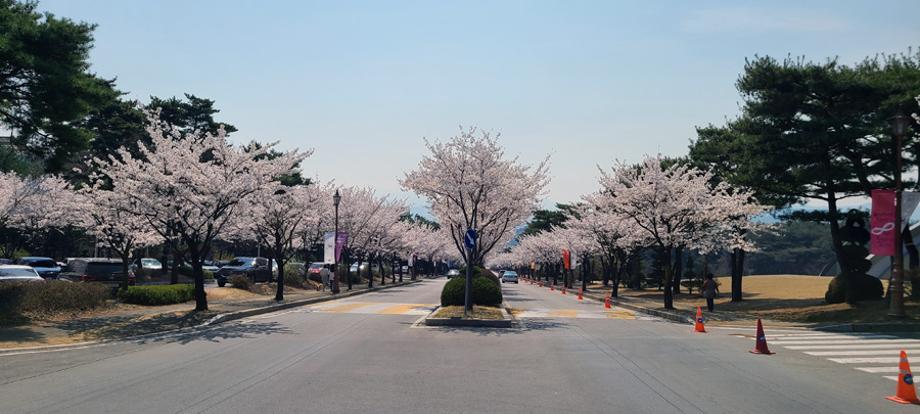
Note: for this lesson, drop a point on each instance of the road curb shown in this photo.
(506, 322)
(216, 320)
(671, 316)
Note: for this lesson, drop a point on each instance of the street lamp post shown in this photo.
(336, 198)
(899, 125)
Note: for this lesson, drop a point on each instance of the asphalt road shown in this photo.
(365, 354)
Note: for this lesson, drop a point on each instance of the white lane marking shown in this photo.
(895, 345)
(893, 351)
(850, 341)
(827, 337)
(878, 370)
(880, 360)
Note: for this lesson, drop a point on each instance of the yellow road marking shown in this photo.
(346, 307)
(564, 313)
(620, 315)
(398, 309)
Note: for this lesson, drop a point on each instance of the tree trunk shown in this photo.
(370, 273)
(201, 300)
(605, 270)
(668, 279)
(125, 269)
(834, 218)
(678, 268)
(174, 269)
(737, 265)
(279, 293)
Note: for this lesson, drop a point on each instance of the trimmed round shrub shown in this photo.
(485, 292)
(157, 294)
(484, 273)
(241, 282)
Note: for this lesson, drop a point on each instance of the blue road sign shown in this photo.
(470, 239)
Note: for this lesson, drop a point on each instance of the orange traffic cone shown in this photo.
(761, 347)
(563, 290)
(607, 302)
(906, 393)
(698, 326)
(580, 294)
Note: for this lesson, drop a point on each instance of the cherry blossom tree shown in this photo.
(276, 217)
(110, 217)
(471, 185)
(422, 242)
(367, 218)
(195, 184)
(32, 204)
(675, 208)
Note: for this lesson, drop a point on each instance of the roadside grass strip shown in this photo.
(866, 352)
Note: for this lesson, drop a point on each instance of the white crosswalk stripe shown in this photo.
(862, 352)
(865, 352)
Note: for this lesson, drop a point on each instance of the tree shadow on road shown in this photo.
(222, 332)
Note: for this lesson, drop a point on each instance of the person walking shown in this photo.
(710, 289)
(325, 275)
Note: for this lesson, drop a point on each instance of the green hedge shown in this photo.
(49, 298)
(155, 295)
(484, 273)
(486, 292)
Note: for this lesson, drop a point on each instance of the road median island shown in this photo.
(131, 322)
(481, 316)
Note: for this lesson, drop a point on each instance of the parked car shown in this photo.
(315, 268)
(149, 263)
(210, 266)
(4, 261)
(46, 267)
(363, 267)
(509, 276)
(452, 273)
(19, 273)
(255, 268)
(95, 269)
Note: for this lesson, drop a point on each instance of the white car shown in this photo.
(46, 267)
(149, 263)
(19, 273)
(509, 277)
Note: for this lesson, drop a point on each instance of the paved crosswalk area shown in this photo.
(872, 353)
(577, 314)
(376, 308)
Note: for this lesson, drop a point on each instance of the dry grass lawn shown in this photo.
(479, 312)
(229, 293)
(786, 298)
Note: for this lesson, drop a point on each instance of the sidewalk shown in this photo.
(124, 320)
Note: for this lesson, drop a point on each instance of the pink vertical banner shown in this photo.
(881, 223)
(341, 240)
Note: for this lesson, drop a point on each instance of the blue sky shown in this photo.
(363, 82)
